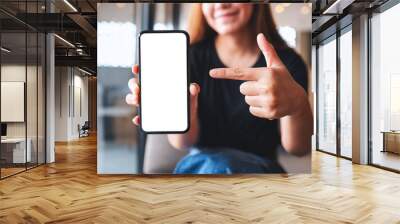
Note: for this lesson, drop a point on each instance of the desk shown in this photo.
(15, 148)
(391, 141)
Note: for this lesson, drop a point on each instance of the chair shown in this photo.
(84, 130)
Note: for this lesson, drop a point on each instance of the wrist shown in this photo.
(302, 106)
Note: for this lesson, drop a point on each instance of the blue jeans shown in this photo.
(225, 161)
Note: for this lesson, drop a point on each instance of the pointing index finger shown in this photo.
(245, 74)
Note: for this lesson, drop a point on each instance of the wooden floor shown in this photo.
(387, 159)
(5, 172)
(70, 191)
(8, 171)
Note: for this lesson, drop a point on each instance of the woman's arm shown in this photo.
(184, 141)
(272, 93)
(296, 130)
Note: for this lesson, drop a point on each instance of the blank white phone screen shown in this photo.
(163, 82)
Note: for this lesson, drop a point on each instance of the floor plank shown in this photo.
(70, 191)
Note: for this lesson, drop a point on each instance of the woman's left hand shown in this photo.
(271, 92)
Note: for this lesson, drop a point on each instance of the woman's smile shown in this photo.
(226, 16)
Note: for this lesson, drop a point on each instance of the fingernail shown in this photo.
(213, 72)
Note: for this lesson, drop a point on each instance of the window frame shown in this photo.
(346, 26)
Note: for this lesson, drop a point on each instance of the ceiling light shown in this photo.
(84, 71)
(5, 50)
(79, 51)
(70, 5)
(279, 8)
(120, 5)
(305, 9)
(64, 40)
(337, 7)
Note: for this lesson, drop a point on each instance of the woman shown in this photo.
(248, 93)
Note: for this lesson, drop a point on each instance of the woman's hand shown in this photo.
(270, 92)
(177, 140)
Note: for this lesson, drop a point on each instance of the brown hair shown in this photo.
(260, 22)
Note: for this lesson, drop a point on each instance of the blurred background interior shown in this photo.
(56, 87)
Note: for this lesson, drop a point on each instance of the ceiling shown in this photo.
(75, 21)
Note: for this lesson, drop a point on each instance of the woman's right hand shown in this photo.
(177, 140)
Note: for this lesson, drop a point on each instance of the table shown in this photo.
(391, 141)
(16, 147)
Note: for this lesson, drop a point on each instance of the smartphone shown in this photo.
(164, 81)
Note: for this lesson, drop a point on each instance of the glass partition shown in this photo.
(22, 77)
(326, 136)
(14, 153)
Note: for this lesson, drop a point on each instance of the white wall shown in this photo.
(70, 83)
(12, 73)
(61, 103)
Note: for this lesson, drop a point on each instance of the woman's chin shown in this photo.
(227, 30)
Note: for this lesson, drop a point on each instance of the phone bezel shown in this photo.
(187, 84)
